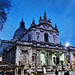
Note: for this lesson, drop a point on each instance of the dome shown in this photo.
(21, 30)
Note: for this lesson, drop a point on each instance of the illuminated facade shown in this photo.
(37, 46)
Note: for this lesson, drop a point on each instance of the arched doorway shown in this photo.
(43, 57)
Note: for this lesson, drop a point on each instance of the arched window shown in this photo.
(46, 37)
(37, 38)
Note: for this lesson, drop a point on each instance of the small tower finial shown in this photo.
(33, 22)
(49, 20)
(44, 13)
(22, 19)
(56, 27)
(40, 18)
(45, 16)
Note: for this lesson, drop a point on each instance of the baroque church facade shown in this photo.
(37, 47)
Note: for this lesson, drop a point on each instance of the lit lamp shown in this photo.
(67, 45)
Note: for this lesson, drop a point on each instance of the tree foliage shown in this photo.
(4, 10)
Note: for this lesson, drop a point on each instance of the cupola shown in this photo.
(21, 30)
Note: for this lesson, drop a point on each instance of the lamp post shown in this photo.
(67, 45)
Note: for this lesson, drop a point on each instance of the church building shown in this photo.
(37, 46)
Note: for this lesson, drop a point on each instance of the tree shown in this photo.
(4, 10)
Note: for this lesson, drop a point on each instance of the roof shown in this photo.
(6, 65)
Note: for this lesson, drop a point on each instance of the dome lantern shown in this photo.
(22, 24)
(45, 17)
(33, 22)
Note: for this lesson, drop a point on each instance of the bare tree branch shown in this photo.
(4, 10)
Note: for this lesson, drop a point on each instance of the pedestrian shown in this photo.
(65, 73)
(44, 70)
(29, 70)
(56, 72)
(59, 73)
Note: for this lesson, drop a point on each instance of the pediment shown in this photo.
(45, 27)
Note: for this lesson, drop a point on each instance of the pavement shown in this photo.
(53, 73)
(60, 73)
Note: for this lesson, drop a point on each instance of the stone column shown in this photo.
(42, 37)
(48, 59)
(33, 36)
(30, 57)
(65, 57)
(38, 59)
(16, 71)
(70, 60)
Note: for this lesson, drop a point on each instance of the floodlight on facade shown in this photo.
(67, 44)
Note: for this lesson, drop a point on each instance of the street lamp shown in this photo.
(67, 45)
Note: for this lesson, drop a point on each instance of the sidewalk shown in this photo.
(53, 73)
(60, 73)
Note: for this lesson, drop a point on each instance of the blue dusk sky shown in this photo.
(61, 12)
